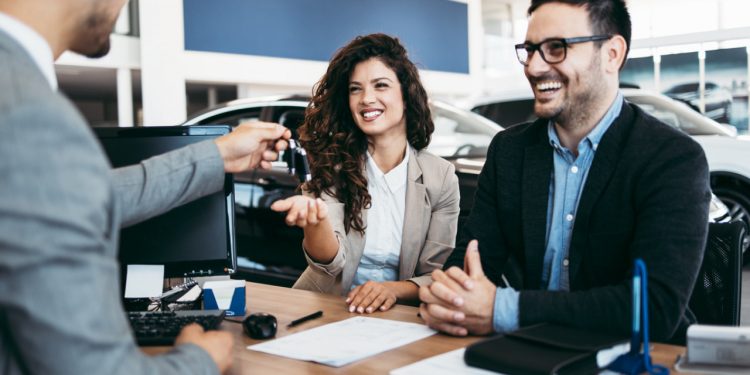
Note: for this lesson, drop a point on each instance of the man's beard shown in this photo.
(576, 105)
(102, 51)
(94, 39)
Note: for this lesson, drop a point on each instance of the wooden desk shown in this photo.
(289, 304)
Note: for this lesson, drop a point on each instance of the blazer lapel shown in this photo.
(416, 217)
(537, 167)
(602, 169)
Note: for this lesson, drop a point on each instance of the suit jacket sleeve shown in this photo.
(441, 234)
(166, 181)
(60, 306)
(671, 197)
(483, 224)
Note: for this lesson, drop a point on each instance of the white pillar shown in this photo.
(702, 79)
(244, 90)
(476, 45)
(213, 96)
(122, 26)
(124, 98)
(657, 71)
(162, 48)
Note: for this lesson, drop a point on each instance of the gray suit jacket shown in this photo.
(61, 208)
(429, 233)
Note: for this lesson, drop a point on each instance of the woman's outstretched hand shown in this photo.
(302, 211)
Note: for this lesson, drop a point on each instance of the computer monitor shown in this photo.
(195, 239)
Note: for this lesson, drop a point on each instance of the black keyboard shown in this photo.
(161, 328)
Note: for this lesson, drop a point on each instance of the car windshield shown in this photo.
(460, 133)
(674, 113)
(686, 87)
(677, 115)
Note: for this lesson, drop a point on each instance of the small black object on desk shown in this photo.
(260, 325)
(305, 318)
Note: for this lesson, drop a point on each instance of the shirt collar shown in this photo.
(34, 44)
(596, 134)
(396, 177)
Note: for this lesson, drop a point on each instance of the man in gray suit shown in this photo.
(61, 206)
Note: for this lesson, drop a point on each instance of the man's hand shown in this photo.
(459, 302)
(302, 211)
(218, 344)
(370, 297)
(252, 144)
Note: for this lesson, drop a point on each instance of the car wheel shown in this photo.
(738, 204)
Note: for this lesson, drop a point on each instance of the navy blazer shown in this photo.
(646, 196)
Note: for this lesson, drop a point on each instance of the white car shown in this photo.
(268, 250)
(728, 155)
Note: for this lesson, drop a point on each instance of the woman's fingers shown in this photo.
(364, 291)
(322, 209)
(312, 212)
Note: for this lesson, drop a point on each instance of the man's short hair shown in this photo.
(607, 17)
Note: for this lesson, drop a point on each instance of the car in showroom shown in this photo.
(718, 100)
(268, 250)
(728, 155)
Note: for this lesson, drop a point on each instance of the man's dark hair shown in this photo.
(607, 17)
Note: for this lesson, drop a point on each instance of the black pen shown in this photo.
(305, 318)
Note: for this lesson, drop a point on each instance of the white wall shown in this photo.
(165, 66)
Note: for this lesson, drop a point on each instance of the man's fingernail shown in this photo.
(458, 316)
(369, 309)
(351, 309)
(458, 301)
(347, 300)
(468, 284)
(360, 309)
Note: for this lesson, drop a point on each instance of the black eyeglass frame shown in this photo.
(530, 48)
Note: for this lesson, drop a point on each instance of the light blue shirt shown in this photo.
(566, 184)
(380, 256)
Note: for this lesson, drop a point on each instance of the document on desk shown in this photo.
(338, 344)
(450, 363)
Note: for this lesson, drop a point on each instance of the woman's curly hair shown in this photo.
(337, 147)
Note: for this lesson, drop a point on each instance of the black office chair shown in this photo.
(716, 295)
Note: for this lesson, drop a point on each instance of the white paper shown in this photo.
(682, 365)
(451, 363)
(338, 344)
(144, 281)
(191, 295)
(605, 357)
(223, 291)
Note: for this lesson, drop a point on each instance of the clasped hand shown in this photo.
(459, 302)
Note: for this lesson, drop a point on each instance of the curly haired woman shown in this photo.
(380, 212)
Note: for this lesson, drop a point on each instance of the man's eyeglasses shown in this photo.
(553, 51)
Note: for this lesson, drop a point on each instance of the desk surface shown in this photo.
(289, 304)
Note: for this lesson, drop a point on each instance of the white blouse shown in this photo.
(385, 222)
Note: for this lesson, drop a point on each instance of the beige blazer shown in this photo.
(428, 237)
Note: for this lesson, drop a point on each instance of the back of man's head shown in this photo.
(607, 17)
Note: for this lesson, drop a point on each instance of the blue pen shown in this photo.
(635, 347)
